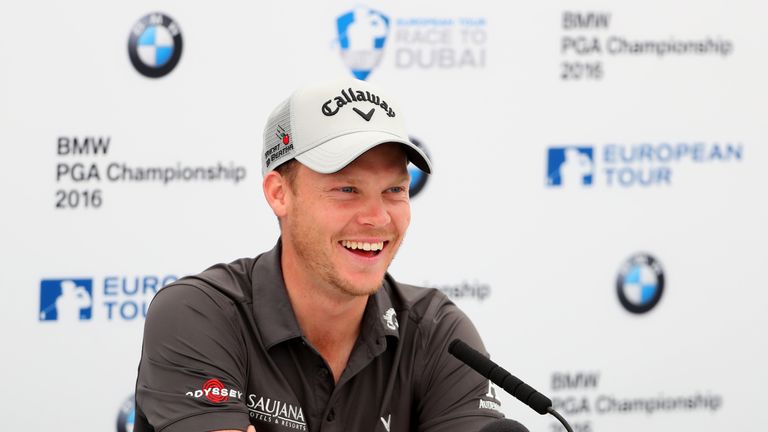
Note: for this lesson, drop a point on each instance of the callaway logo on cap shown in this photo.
(327, 126)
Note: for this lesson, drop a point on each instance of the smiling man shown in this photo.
(315, 335)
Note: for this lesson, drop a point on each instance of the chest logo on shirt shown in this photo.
(275, 411)
(215, 391)
(390, 319)
(386, 423)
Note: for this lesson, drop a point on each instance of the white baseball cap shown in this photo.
(327, 126)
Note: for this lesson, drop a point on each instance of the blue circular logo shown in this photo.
(640, 283)
(418, 177)
(126, 416)
(154, 45)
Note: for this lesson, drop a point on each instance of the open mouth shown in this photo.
(364, 249)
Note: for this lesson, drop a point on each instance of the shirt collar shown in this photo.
(272, 309)
(380, 307)
(276, 319)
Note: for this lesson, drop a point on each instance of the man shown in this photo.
(314, 335)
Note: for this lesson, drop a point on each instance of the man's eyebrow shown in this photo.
(347, 178)
(405, 177)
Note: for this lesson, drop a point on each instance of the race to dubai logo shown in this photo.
(362, 33)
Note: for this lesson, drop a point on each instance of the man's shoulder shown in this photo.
(232, 281)
(423, 305)
(433, 320)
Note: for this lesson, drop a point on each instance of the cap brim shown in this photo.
(333, 155)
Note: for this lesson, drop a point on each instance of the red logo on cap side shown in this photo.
(213, 391)
(282, 135)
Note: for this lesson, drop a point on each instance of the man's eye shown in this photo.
(397, 189)
(347, 189)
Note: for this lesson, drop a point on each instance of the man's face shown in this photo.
(345, 227)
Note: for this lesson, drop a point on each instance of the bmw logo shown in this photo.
(154, 45)
(418, 177)
(126, 416)
(640, 283)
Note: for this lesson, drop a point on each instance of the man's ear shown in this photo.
(276, 191)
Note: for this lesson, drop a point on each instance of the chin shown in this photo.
(361, 286)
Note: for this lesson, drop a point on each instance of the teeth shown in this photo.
(363, 245)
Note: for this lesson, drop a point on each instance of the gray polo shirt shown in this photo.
(223, 349)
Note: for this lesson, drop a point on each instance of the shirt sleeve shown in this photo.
(192, 373)
(450, 395)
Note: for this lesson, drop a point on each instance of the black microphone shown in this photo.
(511, 384)
(499, 376)
(504, 425)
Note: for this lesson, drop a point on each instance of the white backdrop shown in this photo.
(657, 106)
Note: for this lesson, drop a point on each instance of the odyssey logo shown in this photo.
(126, 417)
(570, 166)
(362, 33)
(640, 283)
(154, 45)
(215, 391)
(66, 300)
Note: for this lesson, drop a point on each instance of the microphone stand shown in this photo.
(560, 418)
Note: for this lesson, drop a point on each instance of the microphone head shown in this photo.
(504, 425)
(499, 376)
(471, 357)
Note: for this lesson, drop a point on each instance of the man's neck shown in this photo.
(330, 319)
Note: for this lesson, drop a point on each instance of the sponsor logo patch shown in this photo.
(215, 391)
(274, 411)
(347, 96)
(390, 319)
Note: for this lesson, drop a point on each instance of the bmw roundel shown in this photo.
(640, 283)
(154, 45)
(126, 417)
(418, 177)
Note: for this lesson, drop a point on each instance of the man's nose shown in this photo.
(374, 213)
